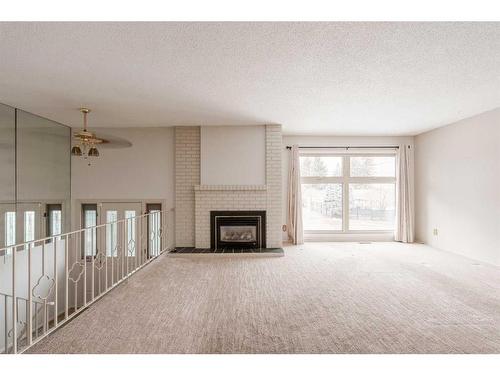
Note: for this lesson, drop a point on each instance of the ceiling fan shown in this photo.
(87, 141)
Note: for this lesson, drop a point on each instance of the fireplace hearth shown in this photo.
(237, 229)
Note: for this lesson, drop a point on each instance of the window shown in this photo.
(348, 192)
(373, 166)
(111, 233)
(89, 220)
(154, 228)
(131, 243)
(322, 192)
(320, 166)
(371, 206)
(10, 229)
(29, 226)
(54, 219)
(322, 206)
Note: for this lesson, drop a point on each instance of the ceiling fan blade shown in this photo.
(111, 141)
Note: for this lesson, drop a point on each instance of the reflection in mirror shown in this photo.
(7, 206)
(7, 176)
(34, 203)
(43, 172)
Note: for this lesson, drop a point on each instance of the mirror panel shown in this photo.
(43, 173)
(35, 174)
(7, 175)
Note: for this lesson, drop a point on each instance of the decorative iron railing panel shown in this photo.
(53, 279)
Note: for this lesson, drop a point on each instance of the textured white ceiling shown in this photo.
(313, 78)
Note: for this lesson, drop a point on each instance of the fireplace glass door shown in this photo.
(238, 233)
(238, 229)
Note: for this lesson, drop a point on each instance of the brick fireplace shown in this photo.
(194, 202)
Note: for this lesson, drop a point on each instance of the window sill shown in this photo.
(375, 236)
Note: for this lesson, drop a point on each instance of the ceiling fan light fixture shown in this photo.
(76, 151)
(93, 152)
(87, 140)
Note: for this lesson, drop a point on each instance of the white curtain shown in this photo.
(404, 201)
(294, 225)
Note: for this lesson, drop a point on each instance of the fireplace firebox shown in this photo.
(237, 229)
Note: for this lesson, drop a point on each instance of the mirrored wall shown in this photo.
(35, 182)
(34, 204)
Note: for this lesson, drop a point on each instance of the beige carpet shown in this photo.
(319, 298)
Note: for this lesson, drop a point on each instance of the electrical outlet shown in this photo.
(435, 232)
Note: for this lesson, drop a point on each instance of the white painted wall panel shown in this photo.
(233, 155)
(458, 187)
(143, 171)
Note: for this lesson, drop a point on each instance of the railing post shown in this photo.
(84, 268)
(55, 282)
(126, 247)
(138, 252)
(145, 238)
(29, 329)
(6, 324)
(137, 243)
(160, 223)
(151, 235)
(93, 260)
(36, 320)
(112, 251)
(45, 319)
(105, 258)
(14, 304)
(155, 232)
(161, 233)
(26, 325)
(78, 254)
(66, 276)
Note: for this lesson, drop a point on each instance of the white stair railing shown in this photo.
(54, 278)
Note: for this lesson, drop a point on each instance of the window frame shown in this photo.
(111, 229)
(49, 208)
(13, 215)
(345, 180)
(150, 208)
(89, 207)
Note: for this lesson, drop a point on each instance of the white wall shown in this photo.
(458, 187)
(143, 171)
(233, 155)
(289, 140)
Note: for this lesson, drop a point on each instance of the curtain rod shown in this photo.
(344, 147)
